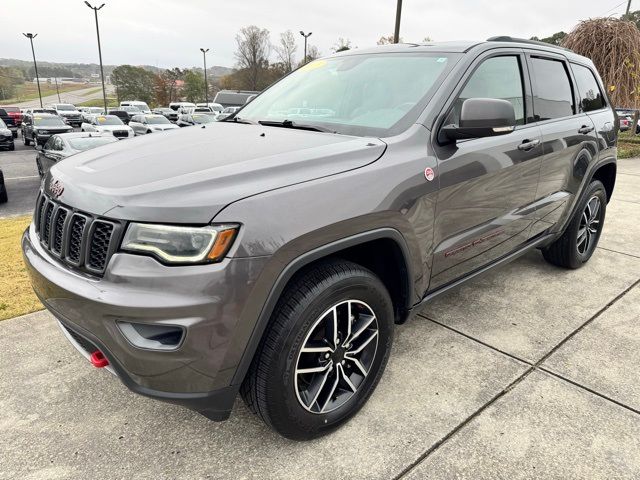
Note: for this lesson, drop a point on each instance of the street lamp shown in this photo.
(104, 92)
(305, 43)
(31, 36)
(206, 87)
(396, 34)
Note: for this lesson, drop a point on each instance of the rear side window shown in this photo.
(591, 97)
(496, 77)
(552, 97)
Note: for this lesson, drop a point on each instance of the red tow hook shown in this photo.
(98, 359)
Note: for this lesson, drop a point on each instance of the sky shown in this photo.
(168, 33)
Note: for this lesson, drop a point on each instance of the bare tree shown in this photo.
(286, 49)
(313, 53)
(342, 44)
(252, 54)
(387, 40)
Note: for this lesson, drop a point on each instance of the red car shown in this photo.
(15, 113)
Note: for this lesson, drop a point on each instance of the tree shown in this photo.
(9, 78)
(633, 17)
(313, 53)
(286, 49)
(252, 54)
(133, 83)
(555, 39)
(386, 40)
(193, 89)
(342, 45)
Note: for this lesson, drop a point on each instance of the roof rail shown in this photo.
(506, 38)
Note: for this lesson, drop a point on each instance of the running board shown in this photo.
(501, 261)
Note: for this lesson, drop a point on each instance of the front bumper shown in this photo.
(6, 141)
(206, 300)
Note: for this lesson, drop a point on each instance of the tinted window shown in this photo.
(591, 97)
(497, 77)
(552, 97)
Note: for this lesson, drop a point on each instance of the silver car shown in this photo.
(143, 124)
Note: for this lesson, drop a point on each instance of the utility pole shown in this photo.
(57, 89)
(206, 87)
(628, 7)
(396, 33)
(305, 43)
(104, 91)
(31, 36)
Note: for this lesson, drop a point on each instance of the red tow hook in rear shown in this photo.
(98, 359)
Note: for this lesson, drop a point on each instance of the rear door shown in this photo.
(568, 136)
(487, 185)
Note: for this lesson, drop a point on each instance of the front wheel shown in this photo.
(324, 352)
(576, 245)
(25, 140)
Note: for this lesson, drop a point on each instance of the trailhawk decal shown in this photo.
(474, 243)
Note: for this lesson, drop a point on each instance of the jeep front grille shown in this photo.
(78, 239)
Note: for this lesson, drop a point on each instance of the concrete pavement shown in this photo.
(528, 372)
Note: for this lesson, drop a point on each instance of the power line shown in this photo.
(619, 5)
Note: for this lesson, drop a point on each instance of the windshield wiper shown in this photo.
(234, 119)
(297, 126)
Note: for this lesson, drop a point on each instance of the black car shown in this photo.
(189, 119)
(121, 114)
(61, 146)
(6, 137)
(3, 190)
(169, 113)
(37, 128)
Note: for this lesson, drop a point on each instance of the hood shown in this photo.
(160, 126)
(55, 128)
(189, 175)
(111, 128)
(67, 113)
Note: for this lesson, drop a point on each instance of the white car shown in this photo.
(108, 124)
(68, 112)
(142, 106)
(143, 124)
(215, 107)
(88, 112)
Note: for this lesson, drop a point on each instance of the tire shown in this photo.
(3, 190)
(25, 140)
(39, 167)
(12, 147)
(576, 245)
(275, 391)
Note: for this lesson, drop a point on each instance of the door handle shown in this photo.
(527, 145)
(584, 130)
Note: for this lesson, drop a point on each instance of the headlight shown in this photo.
(177, 244)
(43, 132)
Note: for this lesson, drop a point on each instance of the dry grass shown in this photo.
(16, 294)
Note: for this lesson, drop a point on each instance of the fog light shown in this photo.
(152, 337)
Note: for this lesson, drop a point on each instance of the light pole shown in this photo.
(206, 87)
(31, 36)
(305, 43)
(396, 34)
(104, 92)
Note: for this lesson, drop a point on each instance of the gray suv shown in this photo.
(272, 253)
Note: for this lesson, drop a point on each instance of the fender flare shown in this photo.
(300, 262)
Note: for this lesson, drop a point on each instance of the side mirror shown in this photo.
(482, 117)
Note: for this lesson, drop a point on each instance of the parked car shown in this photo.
(50, 111)
(131, 110)
(625, 123)
(203, 110)
(273, 258)
(186, 120)
(4, 198)
(143, 124)
(141, 106)
(68, 112)
(15, 113)
(9, 122)
(6, 137)
(90, 111)
(178, 105)
(227, 112)
(121, 114)
(108, 124)
(215, 107)
(234, 98)
(38, 127)
(61, 146)
(170, 113)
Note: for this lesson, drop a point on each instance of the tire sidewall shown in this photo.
(596, 188)
(282, 375)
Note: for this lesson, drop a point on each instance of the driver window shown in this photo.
(496, 77)
(49, 144)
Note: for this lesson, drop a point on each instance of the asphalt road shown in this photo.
(75, 97)
(21, 179)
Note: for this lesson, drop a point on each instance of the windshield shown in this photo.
(202, 118)
(86, 143)
(131, 108)
(109, 120)
(49, 122)
(95, 109)
(66, 107)
(157, 120)
(378, 94)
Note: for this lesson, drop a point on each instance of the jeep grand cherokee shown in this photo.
(271, 254)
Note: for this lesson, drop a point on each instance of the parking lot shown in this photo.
(527, 372)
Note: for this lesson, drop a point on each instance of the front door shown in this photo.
(487, 185)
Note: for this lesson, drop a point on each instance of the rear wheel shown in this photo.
(3, 190)
(576, 245)
(325, 350)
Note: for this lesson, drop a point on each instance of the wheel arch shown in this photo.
(356, 248)
(606, 173)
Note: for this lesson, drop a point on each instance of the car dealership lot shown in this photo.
(527, 372)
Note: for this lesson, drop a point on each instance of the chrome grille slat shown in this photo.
(77, 239)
